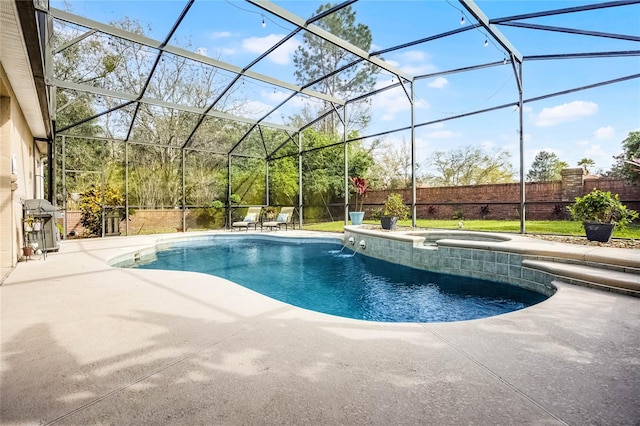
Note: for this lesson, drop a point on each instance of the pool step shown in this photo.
(626, 282)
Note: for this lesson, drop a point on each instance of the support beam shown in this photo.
(183, 201)
(413, 158)
(229, 191)
(300, 206)
(155, 44)
(266, 181)
(150, 101)
(126, 189)
(572, 31)
(479, 15)
(523, 210)
(346, 166)
(325, 35)
(583, 8)
(152, 71)
(74, 41)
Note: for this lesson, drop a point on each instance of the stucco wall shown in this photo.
(16, 141)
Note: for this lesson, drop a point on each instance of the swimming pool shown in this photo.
(318, 276)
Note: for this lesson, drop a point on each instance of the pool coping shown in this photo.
(528, 261)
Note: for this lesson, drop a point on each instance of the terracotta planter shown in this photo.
(27, 251)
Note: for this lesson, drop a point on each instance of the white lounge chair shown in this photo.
(252, 218)
(285, 217)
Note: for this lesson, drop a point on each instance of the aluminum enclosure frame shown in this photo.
(513, 56)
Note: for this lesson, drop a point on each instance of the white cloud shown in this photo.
(220, 34)
(202, 51)
(438, 83)
(571, 111)
(253, 109)
(595, 151)
(418, 69)
(281, 56)
(277, 96)
(392, 62)
(441, 134)
(604, 133)
(414, 62)
(226, 51)
(413, 55)
(391, 102)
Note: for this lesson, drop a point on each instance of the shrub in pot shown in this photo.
(600, 212)
(394, 209)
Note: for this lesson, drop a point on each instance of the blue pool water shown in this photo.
(318, 277)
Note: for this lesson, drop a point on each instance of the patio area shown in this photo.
(86, 343)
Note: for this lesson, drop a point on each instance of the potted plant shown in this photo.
(28, 224)
(29, 249)
(600, 212)
(361, 188)
(394, 209)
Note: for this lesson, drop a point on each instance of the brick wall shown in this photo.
(152, 221)
(544, 200)
(615, 186)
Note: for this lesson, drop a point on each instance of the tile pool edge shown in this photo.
(506, 258)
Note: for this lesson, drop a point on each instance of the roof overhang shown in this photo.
(21, 58)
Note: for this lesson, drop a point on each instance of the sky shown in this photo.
(590, 123)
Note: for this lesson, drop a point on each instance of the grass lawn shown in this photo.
(559, 227)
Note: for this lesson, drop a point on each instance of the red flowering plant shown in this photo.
(361, 188)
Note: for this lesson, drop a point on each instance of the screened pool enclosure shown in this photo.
(163, 129)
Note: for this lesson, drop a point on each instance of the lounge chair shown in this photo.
(285, 217)
(252, 218)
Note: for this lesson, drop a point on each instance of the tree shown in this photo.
(469, 165)
(624, 167)
(323, 169)
(156, 134)
(546, 167)
(283, 181)
(91, 207)
(81, 155)
(586, 164)
(316, 58)
(392, 169)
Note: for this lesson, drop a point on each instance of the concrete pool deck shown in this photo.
(85, 343)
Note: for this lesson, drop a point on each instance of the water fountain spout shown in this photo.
(361, 246)
(351, 241)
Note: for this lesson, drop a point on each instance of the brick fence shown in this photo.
(544, 200)
(150, 221)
